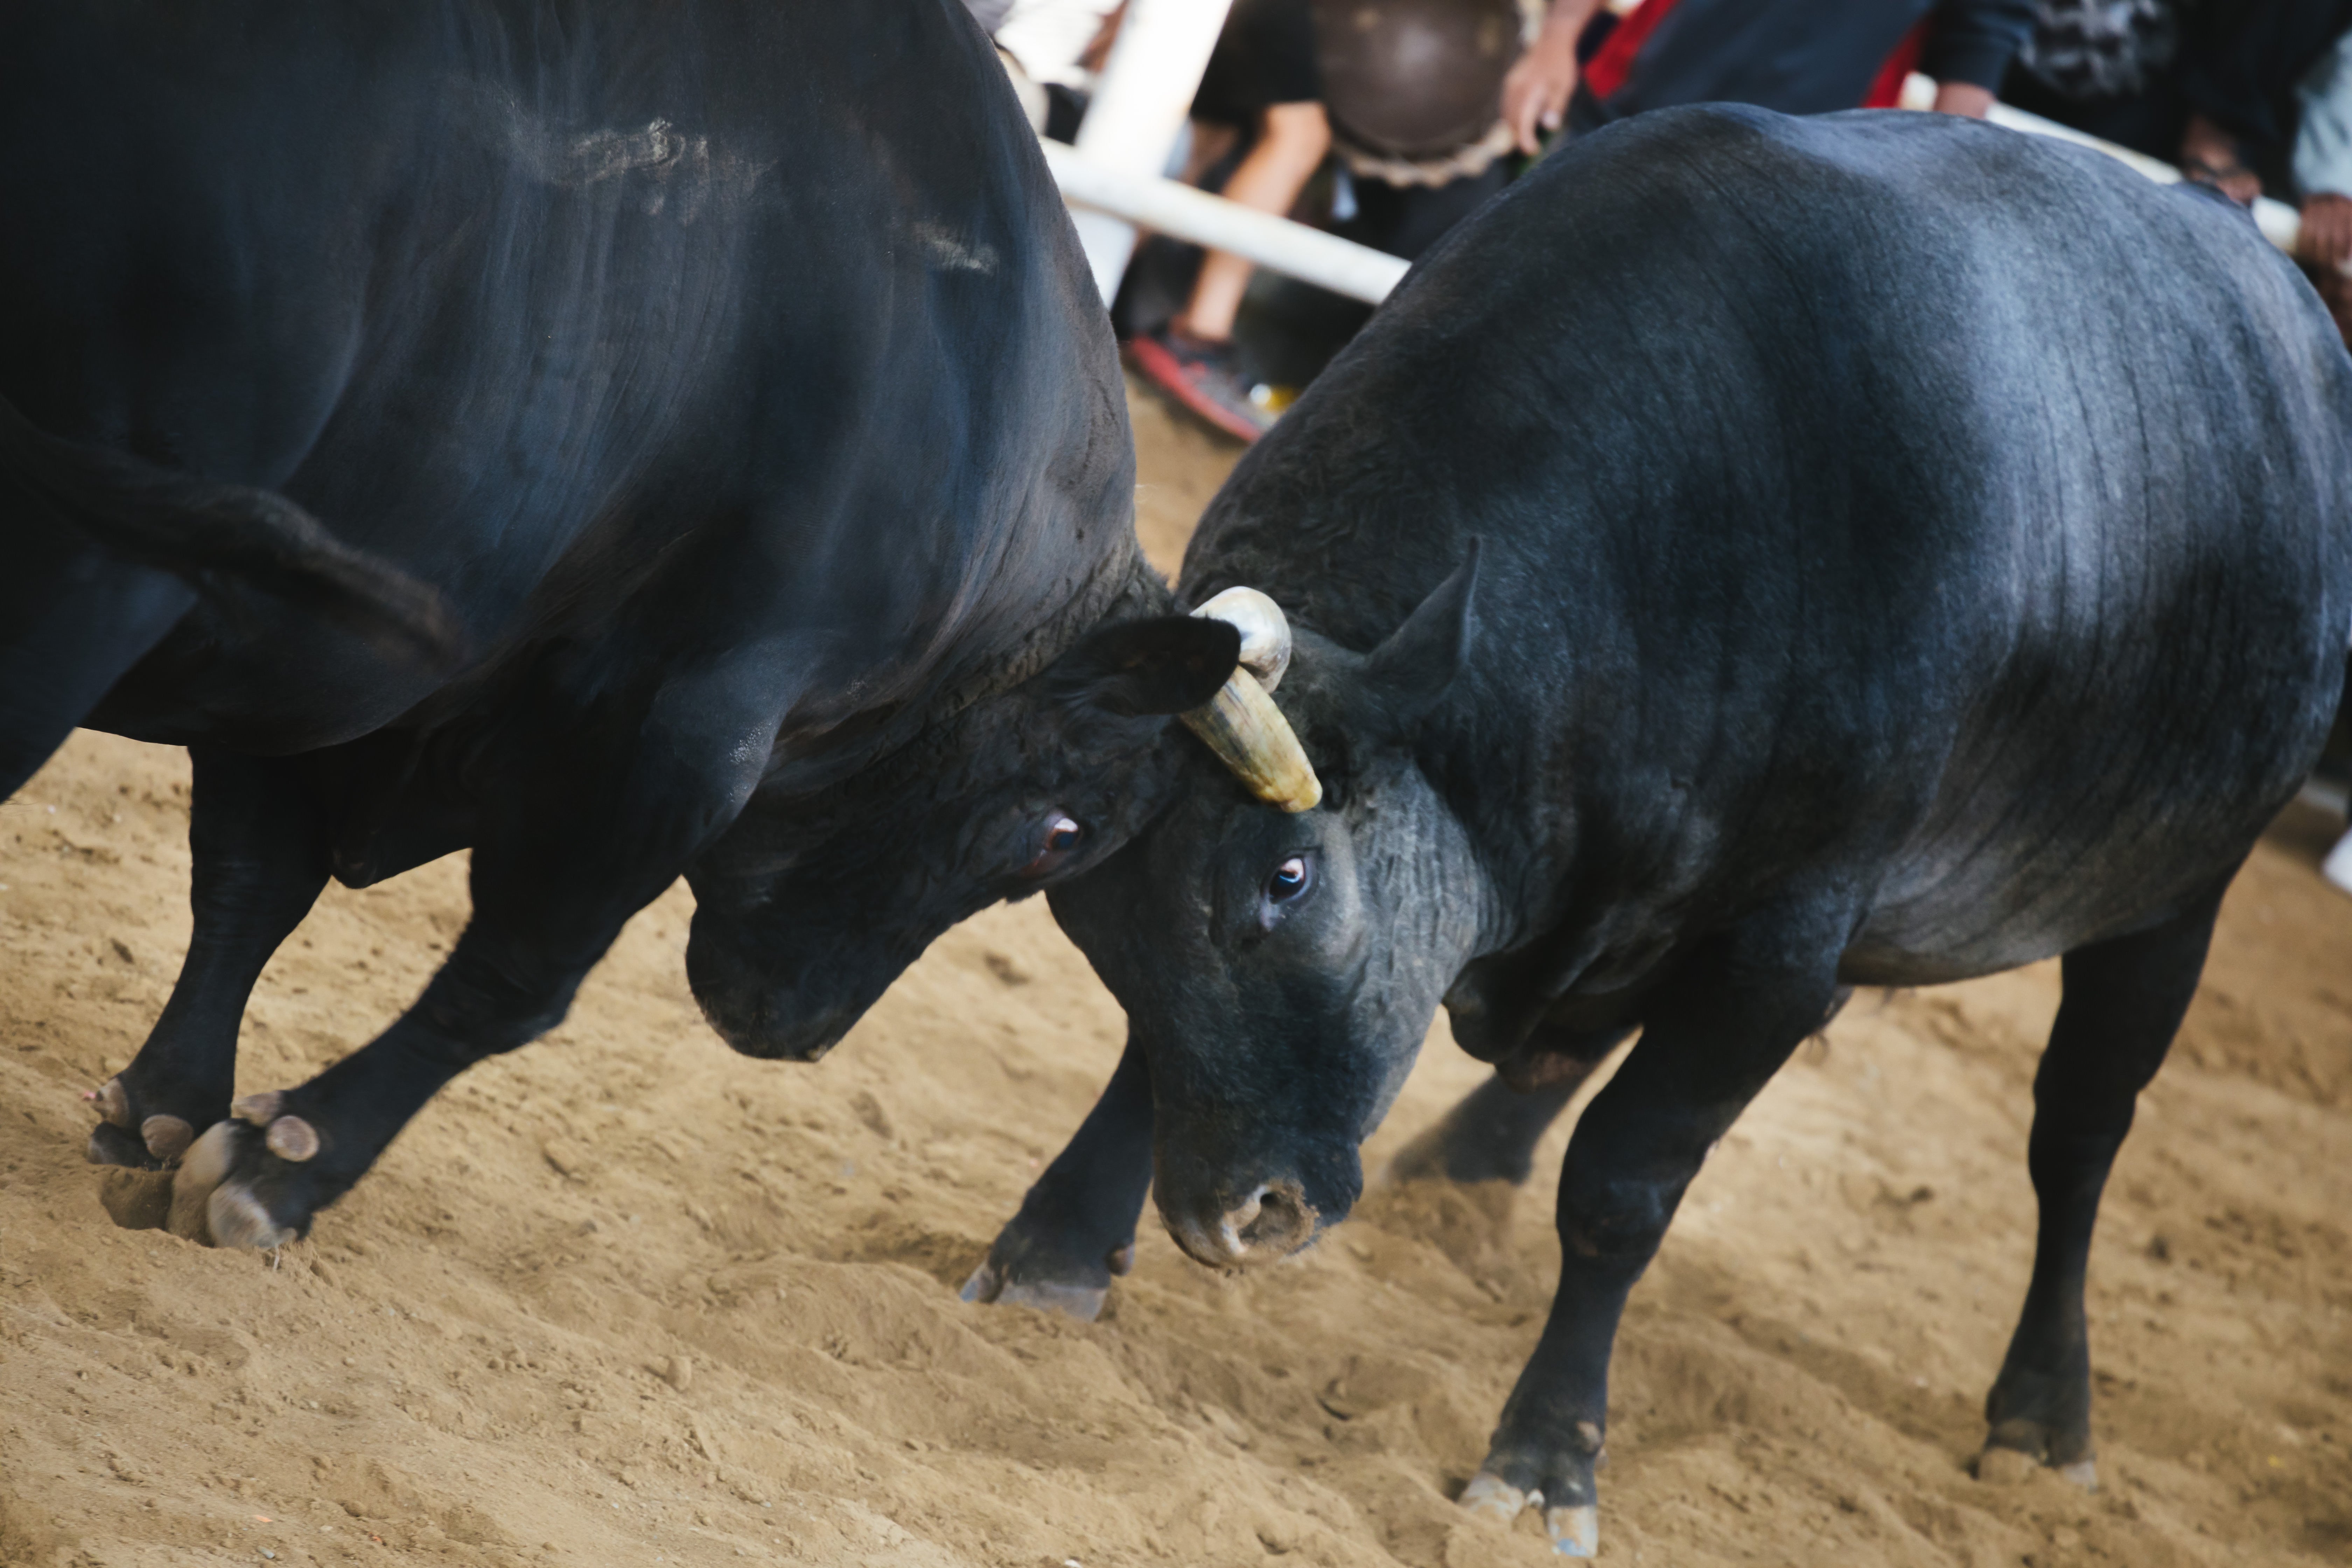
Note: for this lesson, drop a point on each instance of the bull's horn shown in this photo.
(1265, 631)
(1240, 723)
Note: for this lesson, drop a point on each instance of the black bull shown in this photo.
(723, 467)
(1757, 557)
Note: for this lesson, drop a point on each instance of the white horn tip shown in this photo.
(1304, 796)
(1265, 631)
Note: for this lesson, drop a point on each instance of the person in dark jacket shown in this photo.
(2219, 88)
(2107, 68)
(2239, 78)
(1799, 57)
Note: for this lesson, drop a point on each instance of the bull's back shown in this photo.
(519, 295)
(1882, 498)
(2159, 411)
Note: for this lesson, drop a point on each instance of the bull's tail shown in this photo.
(194, 527)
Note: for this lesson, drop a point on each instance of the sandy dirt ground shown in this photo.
(624, 1297)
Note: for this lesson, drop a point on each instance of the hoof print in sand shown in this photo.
(136, 1200)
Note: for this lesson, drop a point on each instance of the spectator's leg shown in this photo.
(1211, 144)
(1190, 359)
(1293, 140)
(1265, 75)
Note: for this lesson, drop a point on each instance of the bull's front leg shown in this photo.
(1492, 1133)
(259, 838)
(1076, 1224)
(1712, 1036)
(1075, 1228)
(577, 841)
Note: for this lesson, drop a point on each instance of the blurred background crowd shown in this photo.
(1388, 121)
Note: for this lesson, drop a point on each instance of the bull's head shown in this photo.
(813, 901)
(1281, 951)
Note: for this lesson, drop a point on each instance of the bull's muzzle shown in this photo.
(1240, 724)
(1272, 1221)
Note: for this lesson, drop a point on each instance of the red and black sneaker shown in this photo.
(1201, 376)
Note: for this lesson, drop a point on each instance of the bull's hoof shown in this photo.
(990, 1286)
(1574, 1528)
(2038, 1420)
(138, 1132)
(2016, 1453)
(1552, 1475)
(245, 1182)
(135, 1132)
(1028, 1269)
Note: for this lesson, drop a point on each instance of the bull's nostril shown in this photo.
(1283, 1220)
(1274, 1220)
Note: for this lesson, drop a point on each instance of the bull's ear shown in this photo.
(1170, 664)
(1408, 673)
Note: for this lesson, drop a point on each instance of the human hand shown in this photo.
(1965, 98)
(1537, 90)
(2328, 230)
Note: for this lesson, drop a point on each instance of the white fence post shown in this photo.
(1324, 260)
(1139, 108)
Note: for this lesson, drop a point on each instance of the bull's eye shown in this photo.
(1290, 879)
(1062, 839)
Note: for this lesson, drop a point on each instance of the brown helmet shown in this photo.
(1415, 78)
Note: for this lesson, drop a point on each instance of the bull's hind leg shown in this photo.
(259, 842)
(1491, 1135)
(1076, 1224)
(2124, 1001)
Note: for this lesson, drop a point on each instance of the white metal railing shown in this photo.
(1324, 260)
(1113, 180)
(1138, 110)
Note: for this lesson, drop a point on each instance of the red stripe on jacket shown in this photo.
(1606, 71)
(1886, 92)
